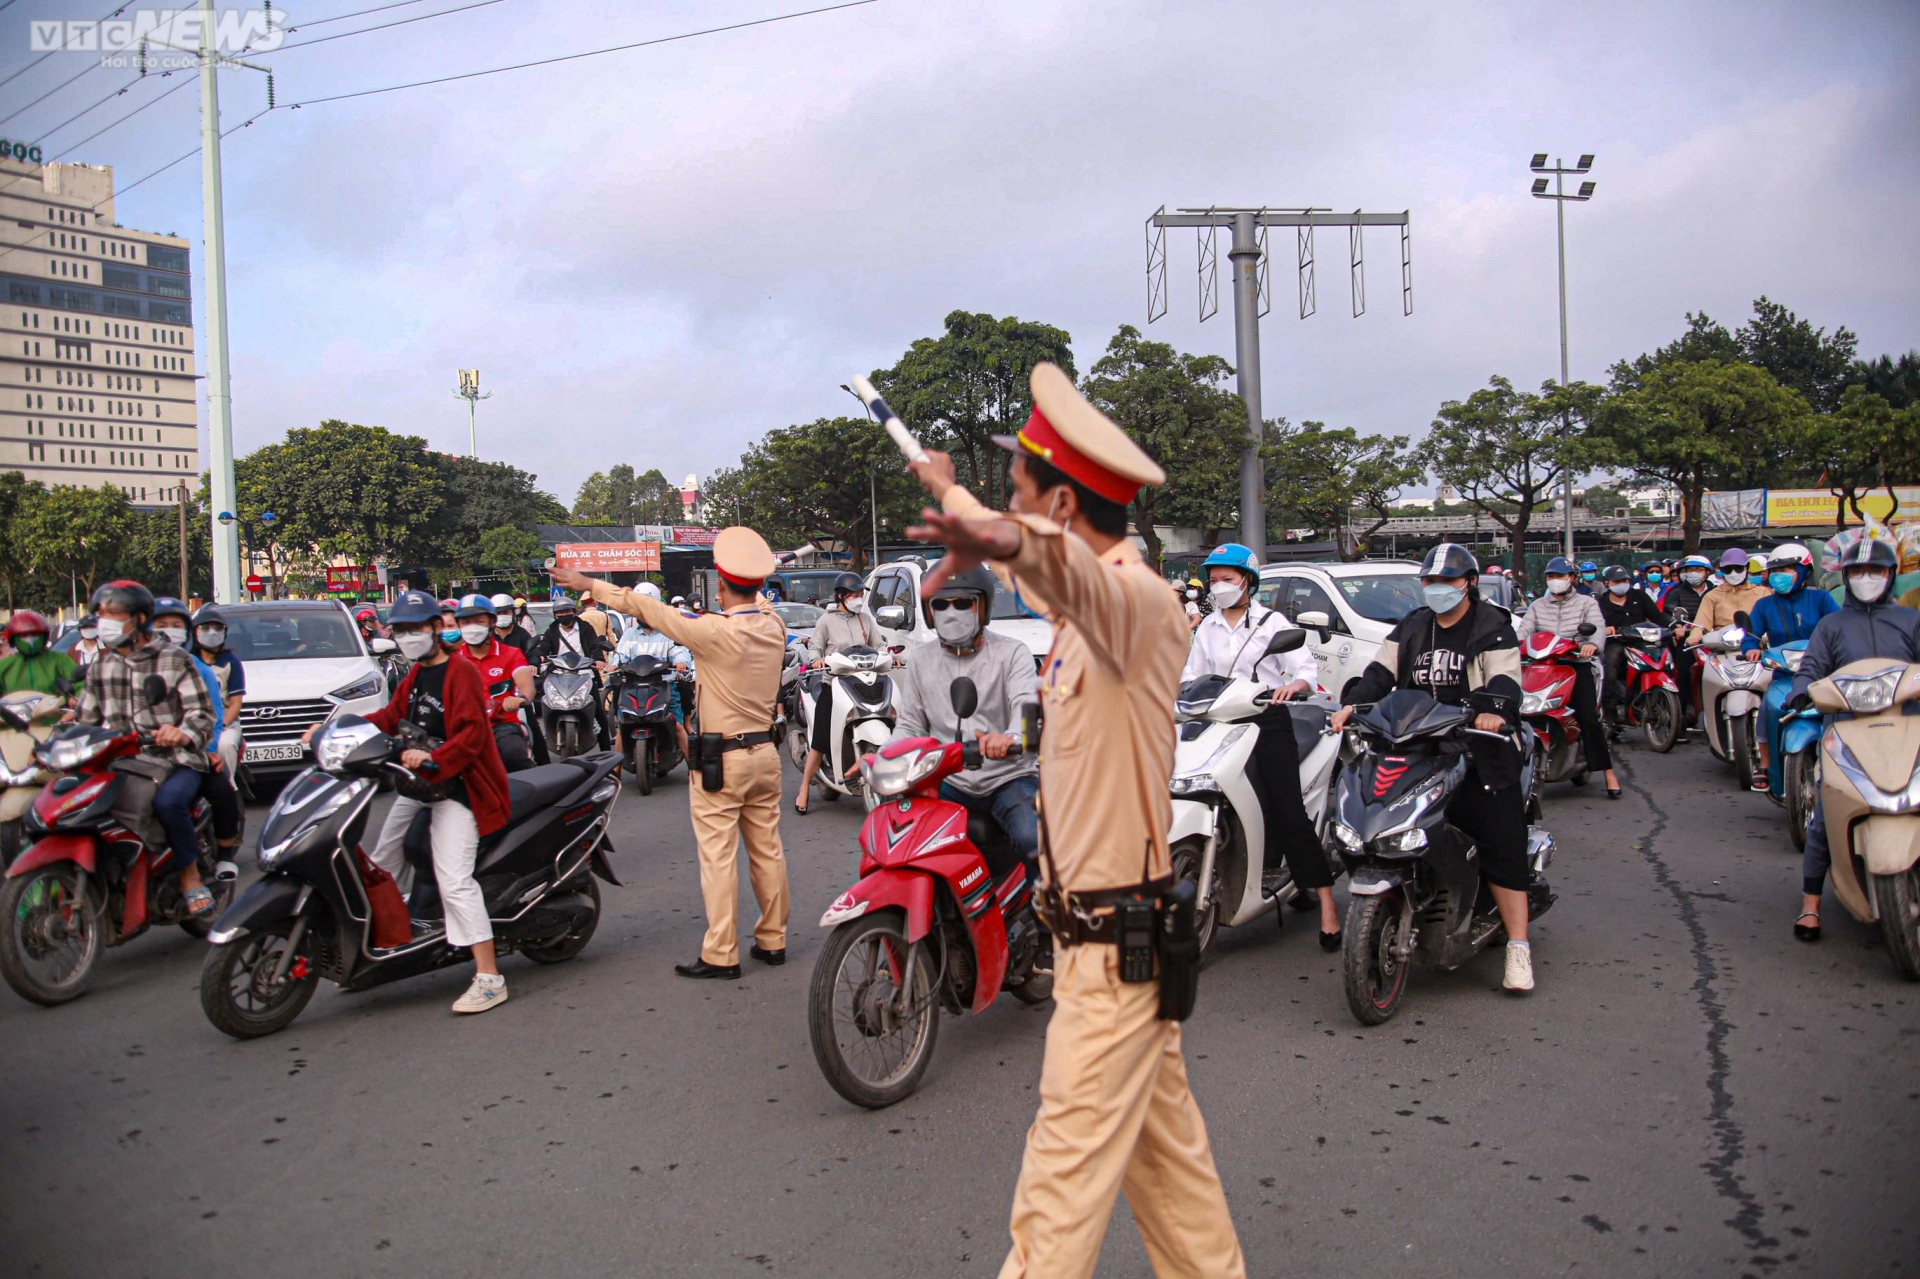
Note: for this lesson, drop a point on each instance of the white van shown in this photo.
(893, 596)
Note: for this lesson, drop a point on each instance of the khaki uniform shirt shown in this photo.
(740, 653)
(597, 620)
(1108, 690)
(1718, 606)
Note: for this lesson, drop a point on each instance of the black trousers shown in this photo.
(516, 751)
(1586, 713)
(217, 789)
(1683, 676)
(1615, 656)
(823, 721)
(1497, 822)
(1290, 833)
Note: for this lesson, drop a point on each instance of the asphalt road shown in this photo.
(1687, 1092)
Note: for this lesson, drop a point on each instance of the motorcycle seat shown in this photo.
(531, 789)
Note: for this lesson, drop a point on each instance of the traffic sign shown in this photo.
(254, 584)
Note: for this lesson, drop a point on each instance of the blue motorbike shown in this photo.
(1793, 742)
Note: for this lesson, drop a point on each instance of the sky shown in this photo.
(655, 256)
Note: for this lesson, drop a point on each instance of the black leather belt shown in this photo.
(744, 741)
(1092, 919)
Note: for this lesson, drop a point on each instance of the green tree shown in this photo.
(1800, 357)
(1895, 381)
(619, 496)
(1505, 451)
(1694, 424)
(1317, 476)
(811, 483)
(1867, 445)
(512, 551)
(969, 384)
(345, 489)
(1177, 407)
(476, 497)
(74, 533)
(15, 565)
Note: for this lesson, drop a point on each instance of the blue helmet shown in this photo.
(1697, 561)
(414, 608)
(473, 606)
(1558, 564)
(1588, 566)
(168, 606)
(1233, 555)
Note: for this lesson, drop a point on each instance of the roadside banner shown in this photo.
(1733, 509)
(1822, 506)
(608, 557)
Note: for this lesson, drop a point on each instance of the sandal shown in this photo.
(1804, 932)
(199, 902)
(801, 811)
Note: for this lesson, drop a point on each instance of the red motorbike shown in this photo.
(87, 878)
(1546, 703)
(926, 928)
(1652, 698)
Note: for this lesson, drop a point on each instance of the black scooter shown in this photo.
(642, 689)
(569, 705)
(309, 915)
(1414, 879)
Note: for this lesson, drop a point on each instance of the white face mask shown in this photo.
(957, 627)
(1693, 577)
(1734, 576)
(114, 632)
(1867, 587)
(1226, 594)
(855, 603)
(414, 645)
(474, 632)
(89, 633)
(1618, 588)
(211, 636)
(174, 635)
(1559, 585)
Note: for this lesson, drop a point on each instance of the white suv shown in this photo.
(1347, 610)
(305, 664)
(893, 597)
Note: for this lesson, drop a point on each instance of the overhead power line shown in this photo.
(342, 17)
(397, 22)
(89, 69)
(154, 101)
(50, 52)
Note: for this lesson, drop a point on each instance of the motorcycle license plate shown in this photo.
(271, 751)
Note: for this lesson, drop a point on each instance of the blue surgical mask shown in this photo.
(1442, 598)
(1654, 576)
(450, 636)
(1588, 577)
(1782, 583)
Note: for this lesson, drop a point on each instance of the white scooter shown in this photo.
(1730, 693)
(863, 717)
(1219, 833)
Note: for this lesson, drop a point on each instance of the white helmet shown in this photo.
(502, 603)
(679, 599)
(647, 589)
(1793, 551)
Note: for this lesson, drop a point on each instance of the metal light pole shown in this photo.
(469, 390)
(1559, 197)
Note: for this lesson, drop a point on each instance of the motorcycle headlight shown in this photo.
(365, 686)
(1407, 841)
(1195, 784)
(1349, 838)
(568, 699)
(1200, 776)
(332, 744)
(1538, 703)
(1869, 694)
(897, 776)
(1793, 657)
(64, 754)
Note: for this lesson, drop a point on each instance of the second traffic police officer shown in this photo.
(740, 650)
(1115, 1109)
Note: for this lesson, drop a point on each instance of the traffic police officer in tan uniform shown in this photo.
(739, 649)
(1115, 1110)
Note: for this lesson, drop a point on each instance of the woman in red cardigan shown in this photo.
(448, 701)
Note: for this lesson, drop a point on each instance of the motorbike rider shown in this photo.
(1454, 647)
(1561, 611)
(172, 623)
(180, 722)
(1589, 577)
(1232, 641)
(447, 701)
(34, 666)
(846, 624)
(640, 639)
(1737, 593)
(88, 646)
(568, 634)
(210, 650)
(1790, 612)
(367, 618)
(506, 629)
(1189, 593)
(506, 675)
(1684, 595)
(1622, 606)
(1868, 625)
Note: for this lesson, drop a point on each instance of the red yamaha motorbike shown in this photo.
(1652, 698)
(1546, 704)
(87, 878)
(927, 927)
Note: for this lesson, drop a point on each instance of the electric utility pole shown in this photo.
(1559, 197)
(1252, 298)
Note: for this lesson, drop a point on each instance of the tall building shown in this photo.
(96, 339)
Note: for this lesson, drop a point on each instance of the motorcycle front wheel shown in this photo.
(1374, 977)
(49, 935)
(1740, 750)
(1898, 897)
(1802, 793)
(873, 1012)
(239, 992)
(643, 763)
(1658, 710)
(1188, 854)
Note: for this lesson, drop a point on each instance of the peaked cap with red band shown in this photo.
(742, 557)
(1080, 441)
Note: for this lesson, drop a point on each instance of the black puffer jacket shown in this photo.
(1856, 632)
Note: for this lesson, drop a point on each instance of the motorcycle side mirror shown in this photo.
(382, 646)
(892, 616)
(62, 687)
(1286, 641)
(1584, 629)
(154, 689)
(965, 697)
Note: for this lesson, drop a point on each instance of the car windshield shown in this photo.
(1499, 590)
(798, 616)
(266, 633)
(806, 588)
(1380, 597)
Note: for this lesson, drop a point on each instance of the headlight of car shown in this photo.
(1870, 694)
(366, 686)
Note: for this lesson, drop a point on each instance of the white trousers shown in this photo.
(455, 838)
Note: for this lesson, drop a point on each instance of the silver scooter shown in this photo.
(1731, 690)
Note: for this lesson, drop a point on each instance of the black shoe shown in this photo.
(771, 958)
(1807, 932)
(701, 968)
(1330, 941)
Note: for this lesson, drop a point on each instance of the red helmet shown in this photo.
(25, 622)
(365, 613)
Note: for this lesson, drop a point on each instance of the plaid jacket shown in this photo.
(115, 697)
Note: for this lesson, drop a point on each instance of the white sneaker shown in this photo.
(225, 871)
(1519, 967)
(487, 991)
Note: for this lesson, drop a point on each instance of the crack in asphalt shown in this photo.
(1731, 1138)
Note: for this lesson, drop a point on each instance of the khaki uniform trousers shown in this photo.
(747, 807)
(1116, 1114)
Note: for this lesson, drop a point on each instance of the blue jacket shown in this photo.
(1855, 632)
(1781, 619)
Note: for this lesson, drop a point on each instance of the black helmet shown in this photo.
(127, 596)
(1869, 552)
(975, 581)
(414, 608)
(1616, 573)
(1449, 560)
(566, 606)
(209, 615)
(847, 584)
